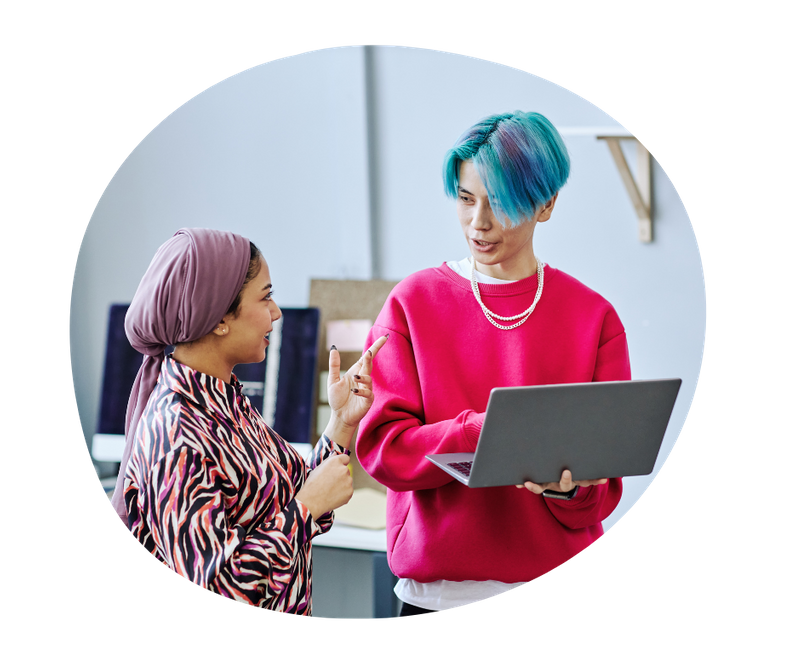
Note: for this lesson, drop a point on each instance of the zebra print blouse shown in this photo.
(210, 490)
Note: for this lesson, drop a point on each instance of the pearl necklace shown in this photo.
(522, 316)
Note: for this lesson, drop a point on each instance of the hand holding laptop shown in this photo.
(535, 434)
(566, 484)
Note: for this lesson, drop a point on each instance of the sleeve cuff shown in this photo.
(473, 423)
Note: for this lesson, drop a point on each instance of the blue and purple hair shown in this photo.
(520, 159)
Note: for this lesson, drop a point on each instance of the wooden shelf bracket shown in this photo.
(639, 188)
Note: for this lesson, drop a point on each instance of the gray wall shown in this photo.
(330, 162)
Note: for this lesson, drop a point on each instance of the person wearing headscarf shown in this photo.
(204, 484)
(499, 318)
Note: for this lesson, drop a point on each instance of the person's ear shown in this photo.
(221, 329)
(547, 210)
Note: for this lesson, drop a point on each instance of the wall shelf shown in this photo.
(639, 188)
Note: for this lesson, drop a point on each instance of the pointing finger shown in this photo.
(376, 346)
(334, 365)
(366, 360)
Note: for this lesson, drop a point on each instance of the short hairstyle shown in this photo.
(520, 159)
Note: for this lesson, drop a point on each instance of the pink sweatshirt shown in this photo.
(432, 383)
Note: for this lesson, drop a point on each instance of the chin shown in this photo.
(257, 357)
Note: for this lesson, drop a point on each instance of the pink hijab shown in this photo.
(192, 281)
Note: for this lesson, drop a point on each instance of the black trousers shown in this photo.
(408, 609)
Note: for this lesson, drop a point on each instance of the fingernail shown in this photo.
(357, 377)
(333, 347)
(387, 336)
(355, 391)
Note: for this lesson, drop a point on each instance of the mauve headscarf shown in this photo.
(190, 284)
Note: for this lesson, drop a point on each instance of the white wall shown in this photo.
(280, 154)
(276, 153)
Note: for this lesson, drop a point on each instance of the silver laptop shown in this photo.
(595, 429)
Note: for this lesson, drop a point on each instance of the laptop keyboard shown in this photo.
(462, 467)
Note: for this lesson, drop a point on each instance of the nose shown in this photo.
(275, 311)
(482, 217)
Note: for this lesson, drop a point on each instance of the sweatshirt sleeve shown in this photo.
(394, 438)
(185, 509)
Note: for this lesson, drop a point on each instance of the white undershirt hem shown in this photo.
(444, 594)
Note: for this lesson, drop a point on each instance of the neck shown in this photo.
(200, 356)
(514, 269)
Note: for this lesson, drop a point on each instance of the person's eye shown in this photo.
(269, 296)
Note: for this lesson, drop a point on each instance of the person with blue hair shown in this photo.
(520, 160)
(500, 317)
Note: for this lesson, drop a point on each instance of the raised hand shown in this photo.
(350, 394)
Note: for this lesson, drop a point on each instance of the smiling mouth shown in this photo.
(482, 243)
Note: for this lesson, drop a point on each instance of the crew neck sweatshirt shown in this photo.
(431, 390)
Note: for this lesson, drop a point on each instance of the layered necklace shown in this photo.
(522, 316)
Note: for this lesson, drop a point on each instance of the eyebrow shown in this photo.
(267, 286)
(461, 188)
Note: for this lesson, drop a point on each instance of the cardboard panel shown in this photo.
(346, 300)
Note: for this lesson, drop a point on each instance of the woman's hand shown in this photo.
(350, 395)
(328, 486)
(566, 484)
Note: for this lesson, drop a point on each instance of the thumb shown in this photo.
(344, 458)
